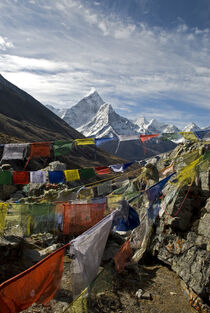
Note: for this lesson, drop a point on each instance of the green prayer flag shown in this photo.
(5, 178)
(86, 173)
(62, 147)
(170, 136)
(42, 217)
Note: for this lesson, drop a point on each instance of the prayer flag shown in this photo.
(85, 141)
(5, 178)
(62, 147)
(72, 175)
(20, 178)
(3, 214)
(153, 211)
(101, 170)
(144, 138)
(167, 170)
(123, 256)
(37, 284)
(188, 173)
(120, 168)
(40, 149)
(170, 136)
(104, 188)
(86, 173)
(42, 217)
(87, 251)
(99, 141)
(127, 138)
(56, 177)
(38, 177)
(15, 151)
(188, 136)
(203, 134)
(80, 216)
(154, 191)
(131, 222)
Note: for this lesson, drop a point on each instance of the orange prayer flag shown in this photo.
(20, 178)
(37, 284)
(144, 138)
(101, 170)
(79, 217)
(123, 256)
(40, 149)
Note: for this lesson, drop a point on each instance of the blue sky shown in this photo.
(145, 57)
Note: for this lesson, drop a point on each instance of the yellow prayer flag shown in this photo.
(72, 175)
(187, 175)
(3, 214)
(79, 305)
(188, 136)
(112, 201)
(86, 194)
(85, 141)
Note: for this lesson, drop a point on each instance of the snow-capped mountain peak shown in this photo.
(191, 127)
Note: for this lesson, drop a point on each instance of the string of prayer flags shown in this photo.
(15, 151)
(62, 147)
(86, 173)
(71, 175)
(3, 214)
(38, 284)
(144, 138)
(85, 141)
(84, 266)
(154, 191)
(188, 136)
(101, 170)
(56, 177)
(20, 177)
(80, 216)
(5, 178)
(123, 256)
(130, 223)
(38, 177)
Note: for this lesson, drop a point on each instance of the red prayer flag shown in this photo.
(144, 138)
(101, 170)
(79, 217)
(40, 149)
(20, 177)
(123, 256)
(37, 284)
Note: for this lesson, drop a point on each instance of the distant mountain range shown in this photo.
(92, 117)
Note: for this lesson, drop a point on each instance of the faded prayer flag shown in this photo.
(154, 191)
(188, 136)
(40, 149)
(144, 138)
(131, 222)
(3, 214)
(15, 151)
(101, 170)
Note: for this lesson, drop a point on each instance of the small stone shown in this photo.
(139, 293)
(146, 296)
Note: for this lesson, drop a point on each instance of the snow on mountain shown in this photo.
(82, 112)
(170, 129)
(107, 123)
(191, 127)
(58, 112)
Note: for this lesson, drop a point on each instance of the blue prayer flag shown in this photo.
(131, 223)
(154, 191)
(56, 177)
